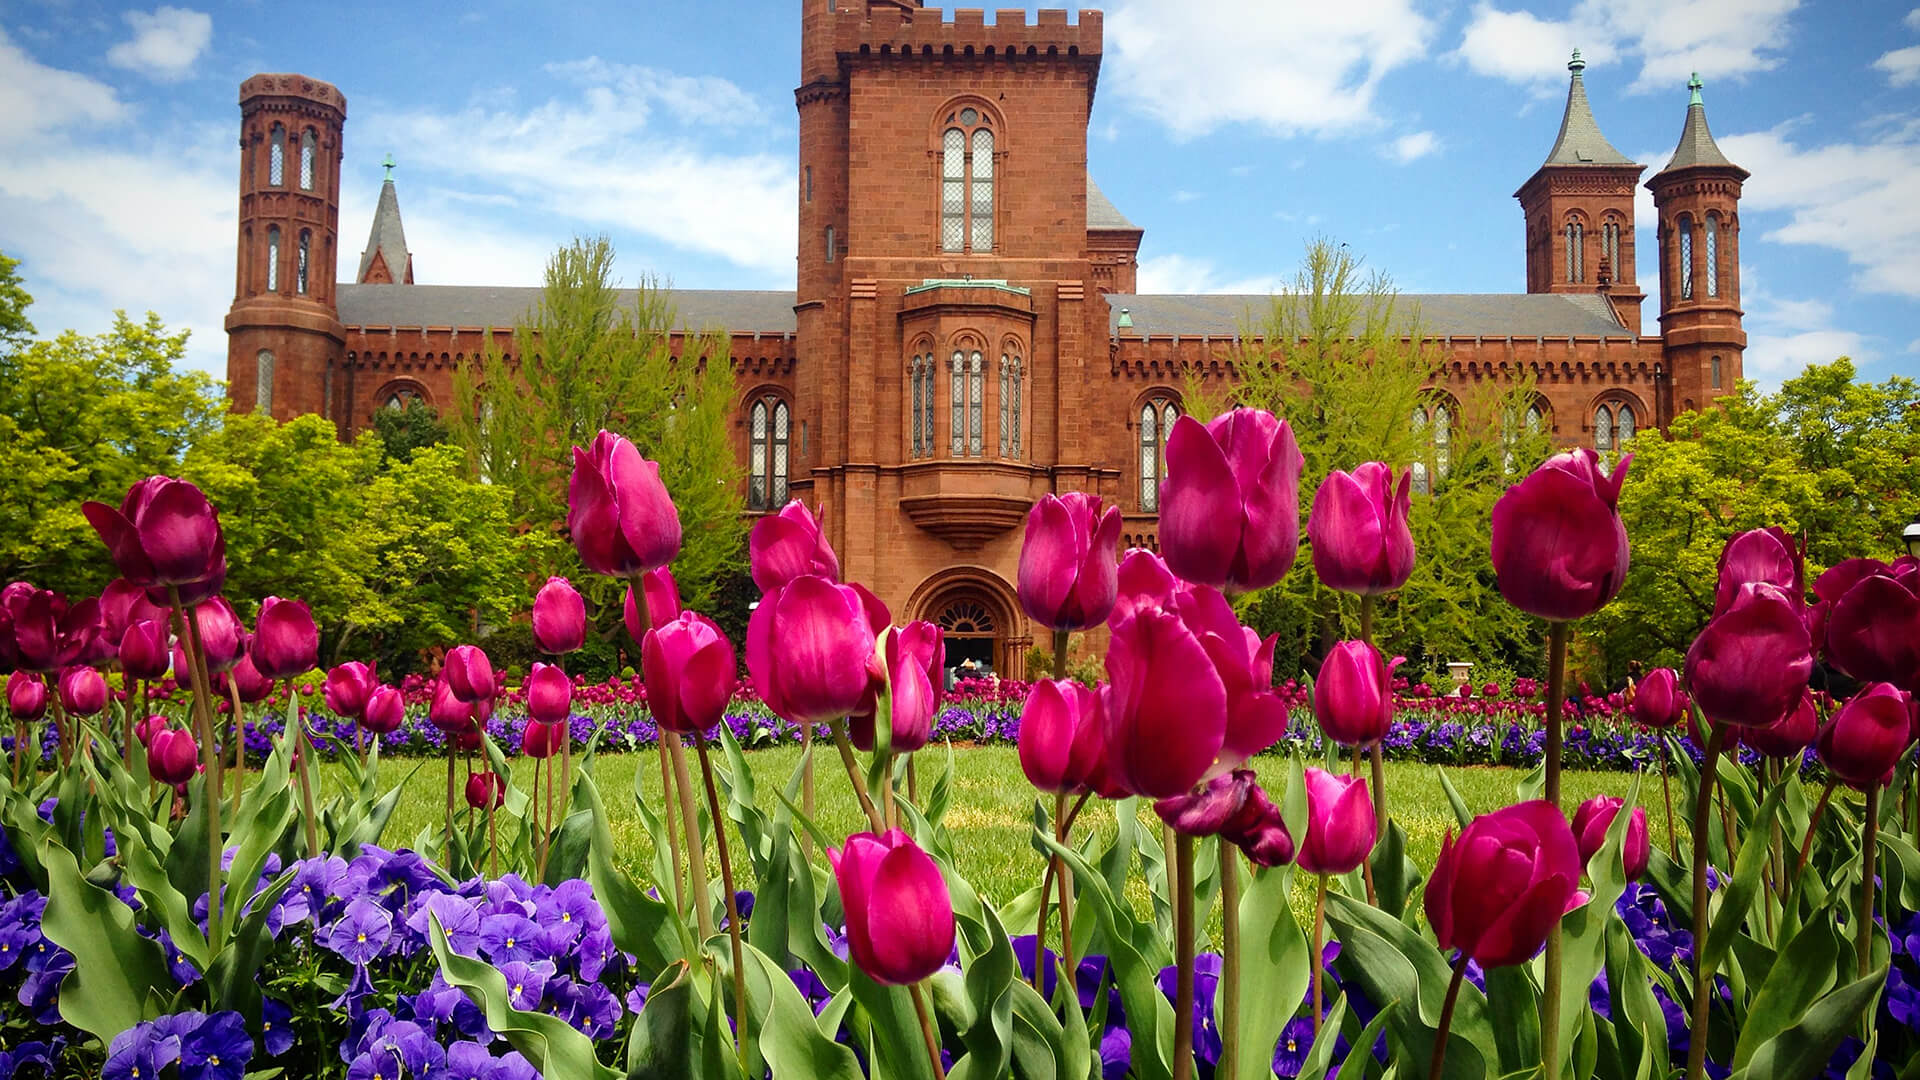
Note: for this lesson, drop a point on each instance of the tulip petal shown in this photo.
(1558, 551)
(1169, 718)
(178, 530)
(1522, 926)
(123, 543)
(1201, 515)
(1049, 559)
(1270, 532)
(1873, 631)
(707, 681)
(909, 916)
(593, 520)
(761, 664)
(645, 512)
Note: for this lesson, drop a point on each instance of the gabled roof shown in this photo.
(1494, 315)
(1696, 142)
(741, 311)
(388, 238)
(1101, 213)
(1580, 141)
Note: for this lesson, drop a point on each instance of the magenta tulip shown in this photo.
(1870, 613)
(1864, 740)
(1358, 529)
(122, 603)
(1062, 739)
(386, 711)
(1789, 736)
(915, 672)
(485, 790)
(50, 634)
(549, 694)
(1751, 663)
(1340, 823)
(1069, 561)
(252, 686)
(285, 641)
(26, 696)
(788, 545)
(223, 639)
(446, 711)
(469, 674)
(808, 644)
(559, 618)
(172, 757)
(146, 729)
(1592, 819)
(83, 691)
(900, 926)
(1500, 886)
(1658, 701)
(690, 673)
(145, 649)
(1230, 504)
(1765, 555)
(541, 741)
(165, 533)
(348, 689)
(618, 511)
(1559, 549)
(1353, 696)
(1233, 807)
(662, 597)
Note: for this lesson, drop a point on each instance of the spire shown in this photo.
(386, 259)
(1696, 142)
(1580, 141)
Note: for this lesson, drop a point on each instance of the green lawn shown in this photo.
(992, 807)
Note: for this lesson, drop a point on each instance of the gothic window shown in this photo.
(829, 243)
(263, 381)
(1010, 372)
(976, 385)
(1610, 243)
(768, 426)
(273, 258)
(1713, 254)
(277, 156)
(966, 182)
(1434, 421)
(1685, 227)
(300, 266)
(1576, 254)
(958, 398)
(1613, 426)
(1716, 373)
(308, 146)
(917, 379)
(1513, 428)
(402, 397)
(1156, 420)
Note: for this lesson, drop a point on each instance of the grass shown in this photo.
(992, 808)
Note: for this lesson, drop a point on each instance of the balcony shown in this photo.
(967, 502)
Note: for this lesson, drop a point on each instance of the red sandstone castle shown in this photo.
(965, 334)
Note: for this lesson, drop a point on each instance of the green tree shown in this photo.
(15, 329)
(403, 432)
(585, 359)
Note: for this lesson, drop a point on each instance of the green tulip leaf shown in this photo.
(1583, 930)
(663, 1035)
(898, 1045)
(1736, 897)
(1641, 1036)
(1513, 1006)
(1806, 971)
(1460, 812)
(1803, 1049)
(1394, 963)
(1276, 966)
(648, 928)
(1360, 1058)
(116, 972)
(790, 1040)
(1320, 1055)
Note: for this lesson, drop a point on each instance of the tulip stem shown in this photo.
(1366, 864)
(203, 696)
(1557, 634)
(671, 823)
(546, 848)
(696, 843)
(859, 782)
(239, 760)
(1319, 944)
(806, 786)
(1064, 819)
(1813, 822)
(1183, 957)
(126, 726)
(64, 739)
(1229, 958)
(493, 835)
(1702, 977)
(1666, 787)
(1869, 844)
(188, 630)
(1060, 653)
(733, 906)
(926, 1031)
(303, 751)
(1445, 1030)
(450, 761)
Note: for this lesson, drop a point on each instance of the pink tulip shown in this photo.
(1751, 663)
(484, 790)
(1789, 736)
(690, 672)
(348, 689)
(145, 649)
(1353, 697)
(26, 696)
(1358, 529)
(223, 639)
(146, 729)
(165, 533)
(1559, 549)
(900, 926)
(1068, 566)
(446, 711)
(1504, 883)
(1766, 555)
(662, 599)
(172, 757)
(49, 633)
(788, 545)
(549, 694)
(1230, 510)
(83, 691)
(1062, 741)
(1864, 741)
(559, 618)
(1870, 615)
(1340, 823)
(1592, 819)
(618, 511)
(1234, 807)
(1658, 701)
(285, 641)
(252, 686)
(915, 661)
(386, 711)
(541, 740)
(469, 674)
(808, 644)
(122, 603)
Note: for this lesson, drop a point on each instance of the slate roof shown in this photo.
(1696, 142)
(1495, 315)
(1580, 141)
(387, 236)
(742, 311)
(1101, 213)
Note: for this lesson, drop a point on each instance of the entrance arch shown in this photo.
(978, 616)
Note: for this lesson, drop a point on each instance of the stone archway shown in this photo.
(979, 618)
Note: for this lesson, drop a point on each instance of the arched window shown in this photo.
(1010, 372)
(976, 390)
(263, 381)
(1685, 228)
(1610, 243)
(300, 266)
(309, 145)
(918, 379)
(1576, 252)
(958, 400)
(1613, 427)
(1716, 373)
(1156, 420)
(273, 258)
(277, 156)
(1713, 253)
(1434, 419)
(769, 423)
(966, 181)
(1513, 428)
(403, 397)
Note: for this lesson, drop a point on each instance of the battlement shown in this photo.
(889, 31)
(302, 87)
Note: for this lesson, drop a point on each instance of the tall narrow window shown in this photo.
(759, 424)
(1716, 373)
(917, 379)
(277, 156)
(966, 182)
(958, 398)
(1443, 440)
(1713, 254)
(300, 265)
(273, 258)
(1603, 429)
(829, 243)
(1610, 240)
(976, 387)
(1685, 228)
(263, 382)
(782, 422)
(809, 183)
(1010, 372)
(768, 427)
(953, 191)
(1576, 253)
(1623, 425)
(309, 146)
(1156, 418)
(1433, 421)
(932, 369)
(982, 209)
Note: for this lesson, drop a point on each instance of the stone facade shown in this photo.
(964, 334)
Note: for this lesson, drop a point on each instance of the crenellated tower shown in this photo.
(284, 336)
(1578, 208)
(1697, 197)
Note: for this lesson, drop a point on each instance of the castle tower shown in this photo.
(1697, 197)
(1578, 208)
(284, 336)
(386, 260)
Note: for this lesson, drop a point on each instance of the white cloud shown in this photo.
(1913, 19)
(1412, 147)
(1902, 66)
(1287, 66)
(1184, 196)
(1669, 39)
(1188, 274)
(165, 43)
(1785, 335)
(36, 98)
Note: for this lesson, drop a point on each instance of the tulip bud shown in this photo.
(144, 649)
(26, 696)
(1230, 504)
(559, 618)
(1864, 741)
(1765, 555)
(1658, 701)
(1870, 620)
(165, 533)
(252, 686)
(83, 691)
(469, 674)
(153, 725)
(1788, 736)
(386, 711)
(662, 600)
(348, 689)
(1559, 549)
(485, 790)
(618, 512)
(1751, 663)
(915, 662)
(788, 545)
(1340, 823)
(900, 926)
(808, 644)
(1353, 696)
(1359, 532)
(1062, 743)
(690, 673)
(172, 757)
(1592, 819)
(285, 641)
(1068, 570)
(1500, 886)
(222, 637)
(540, 740)
(447, 712)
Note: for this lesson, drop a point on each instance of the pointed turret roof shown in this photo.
(1101, 213)
(388, 240)
(1580, 141)
(1696, 142)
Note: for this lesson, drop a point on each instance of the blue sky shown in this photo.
(1234, 131)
